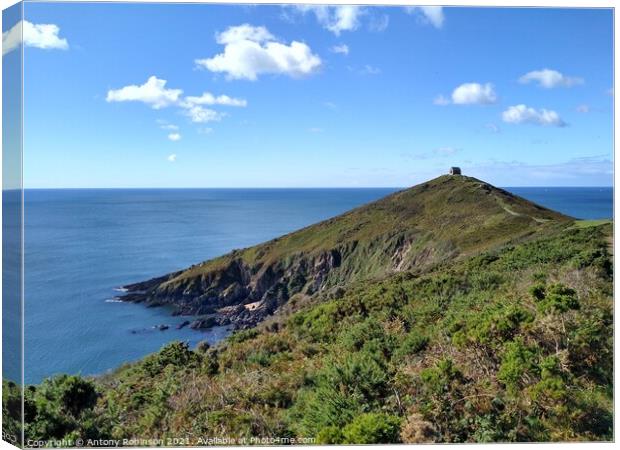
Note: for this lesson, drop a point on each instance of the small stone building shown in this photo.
(455, 171)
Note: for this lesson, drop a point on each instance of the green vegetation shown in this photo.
(60, 407)
(510, 343)
(591, 223)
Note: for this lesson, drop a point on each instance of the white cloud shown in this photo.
(548, 78)
(172, 158)
(519, 114)
(12, 38)
(43, 36)
(153, 93)
(439, 152)
(428, 14)
(165, 125)
(494, 128)
(344, 18)
(474, 93)
(441, 100)
(335, 18)
(370, 70)
(583, 109)
(245, 32)
(251, 51)
(343, 49)
(198, 114)
(584, 171)
(209, 99)
(379, 24)
(446, 151)
(315, 130)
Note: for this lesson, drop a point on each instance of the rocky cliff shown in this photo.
(445, 218)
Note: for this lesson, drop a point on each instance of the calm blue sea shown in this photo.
(82, 244)
(578, 202)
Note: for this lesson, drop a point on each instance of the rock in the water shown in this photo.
(183, 324)
(205, 322)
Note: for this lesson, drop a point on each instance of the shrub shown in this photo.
(203, 346)
(558, 299)
(330, 435)
(61, 403)
(357, 373)
(343, 389)
(176, 354)
(597, 257)
(12, 412)
(320, 408)
(538, 291)
(442, 400)
(243, 335)
(319, 323)
(210, 363)
(413, 343)
(517, 361)
(354, 337)
(492, 327)
(591, 346)
(372, 428)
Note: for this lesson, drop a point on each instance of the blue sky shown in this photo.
(120, 95)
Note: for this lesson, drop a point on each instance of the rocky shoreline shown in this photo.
(236, 295)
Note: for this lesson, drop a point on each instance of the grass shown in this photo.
(591, 223)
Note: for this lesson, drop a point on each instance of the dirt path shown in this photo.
(514, 213)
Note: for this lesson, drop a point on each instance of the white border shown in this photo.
(482, 3)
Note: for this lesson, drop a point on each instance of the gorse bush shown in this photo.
(176, 354)
(61, 407)
(490, 327)
(412, 344)
(517, 364)
(442, 394)
(372, 428)
(558, 299)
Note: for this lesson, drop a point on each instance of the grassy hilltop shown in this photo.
(446, 218)
(449, 312)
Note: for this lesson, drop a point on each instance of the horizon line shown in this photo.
(274, 187)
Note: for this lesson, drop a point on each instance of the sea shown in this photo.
(82, 245)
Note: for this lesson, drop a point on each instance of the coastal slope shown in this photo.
(446, 218)
(504, 335)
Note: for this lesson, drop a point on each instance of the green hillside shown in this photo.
(446, 218)
(503, 333)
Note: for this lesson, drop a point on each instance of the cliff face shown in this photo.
(445, 218)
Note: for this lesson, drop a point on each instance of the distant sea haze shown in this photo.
(81, 244)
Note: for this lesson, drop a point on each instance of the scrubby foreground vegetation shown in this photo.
(511, 344)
